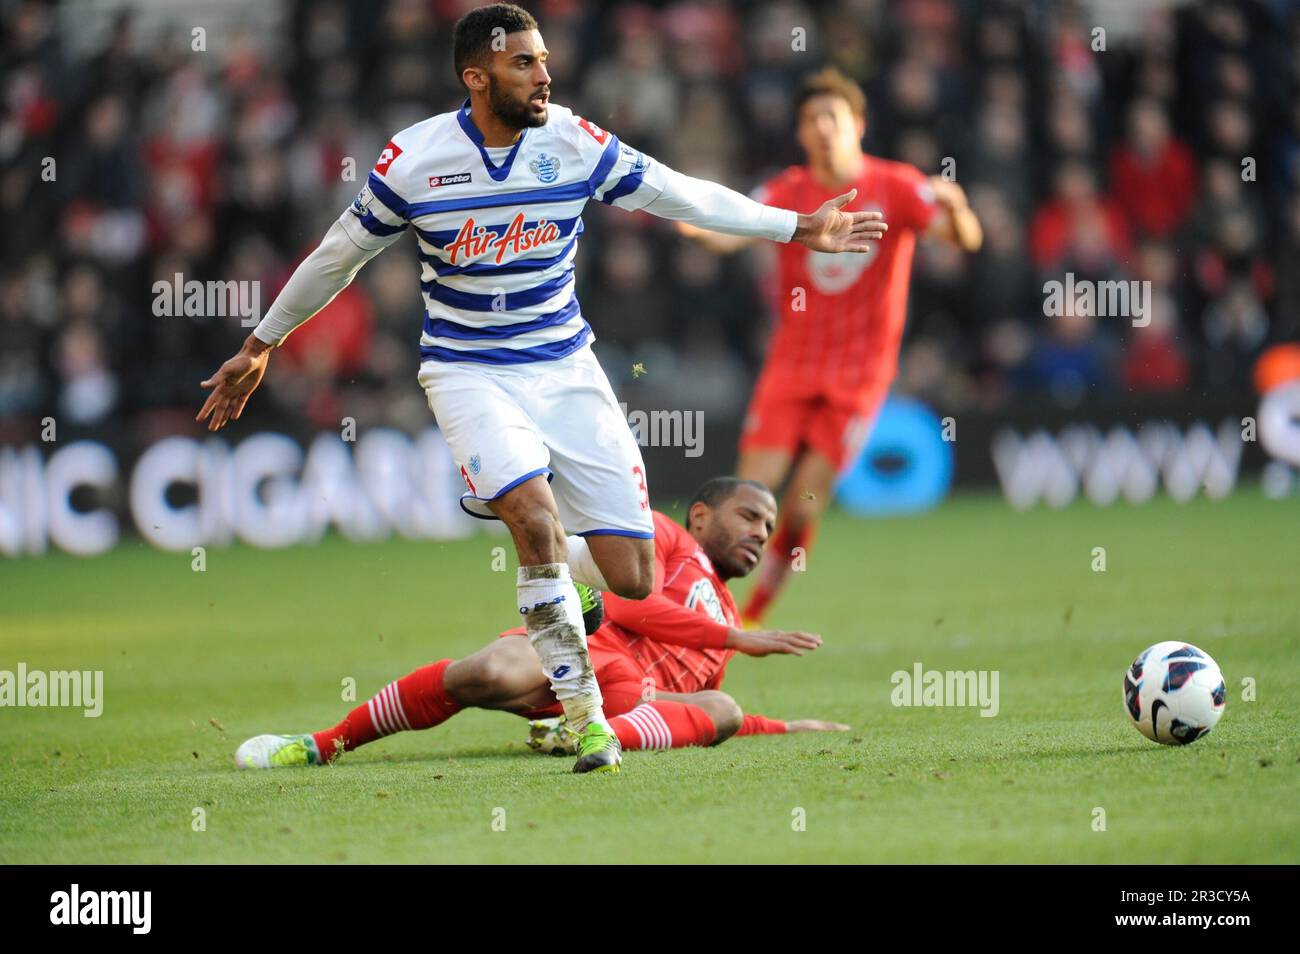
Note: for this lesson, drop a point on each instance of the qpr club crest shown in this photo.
(546, 168)
(475, 465)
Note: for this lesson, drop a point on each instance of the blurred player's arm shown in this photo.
(640, 182)
(956, 221)
(360, 233)
(715, 242)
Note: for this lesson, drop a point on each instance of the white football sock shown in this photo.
(553, 618)
(583, 565)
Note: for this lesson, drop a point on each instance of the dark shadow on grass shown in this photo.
(1083, 752)
(438, 757)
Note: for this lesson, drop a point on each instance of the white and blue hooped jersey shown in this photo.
(497, 239)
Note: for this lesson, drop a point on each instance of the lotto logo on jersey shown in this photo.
(459, 178)
(386, 158)
(596, 132)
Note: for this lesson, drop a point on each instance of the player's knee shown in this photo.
(724, 712)
(477, 679)
(634, 581)
(632, 586)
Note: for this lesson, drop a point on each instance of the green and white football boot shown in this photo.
(598, 750)
(552, 737)
(277, 751)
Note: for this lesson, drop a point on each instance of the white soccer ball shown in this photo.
(1174, 693)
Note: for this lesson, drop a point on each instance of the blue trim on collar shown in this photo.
(497, 173)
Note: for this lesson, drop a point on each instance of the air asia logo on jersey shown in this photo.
(546, 168)
(455, 179)
(474, 241)
(386, 158)
(597, 133)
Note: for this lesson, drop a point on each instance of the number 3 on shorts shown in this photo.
(639, 474)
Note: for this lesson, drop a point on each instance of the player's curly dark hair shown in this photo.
(471, 43)
(718, 490)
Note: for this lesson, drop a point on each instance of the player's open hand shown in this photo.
(815, 725)
(233, 383)
(765, 642)
(831, 229)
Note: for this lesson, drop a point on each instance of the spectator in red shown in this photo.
(1153, 174)
(1078, 227)
(1156, 360)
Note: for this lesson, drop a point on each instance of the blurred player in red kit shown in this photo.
(834, 352)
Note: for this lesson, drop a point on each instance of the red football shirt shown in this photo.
(686, 587)
(840, 316)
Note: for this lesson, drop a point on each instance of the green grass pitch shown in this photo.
(194, 662)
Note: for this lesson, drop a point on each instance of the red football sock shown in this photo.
(761, 725)
(775, 570)
(416, 701)
(663, 724)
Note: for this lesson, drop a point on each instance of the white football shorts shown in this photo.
(508, 423)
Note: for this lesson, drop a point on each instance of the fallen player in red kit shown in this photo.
(660, 661)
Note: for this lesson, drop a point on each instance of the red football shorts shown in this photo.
(622, 681)
(836, 428)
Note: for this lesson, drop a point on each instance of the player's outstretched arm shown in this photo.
(666, 621)
(829, 229)
(321, 276)
(707, 205)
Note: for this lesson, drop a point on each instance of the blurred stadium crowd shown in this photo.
(228, 163)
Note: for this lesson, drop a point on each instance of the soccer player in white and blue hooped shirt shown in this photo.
(494, 192)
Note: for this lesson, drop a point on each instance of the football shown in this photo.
(1174, 693)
